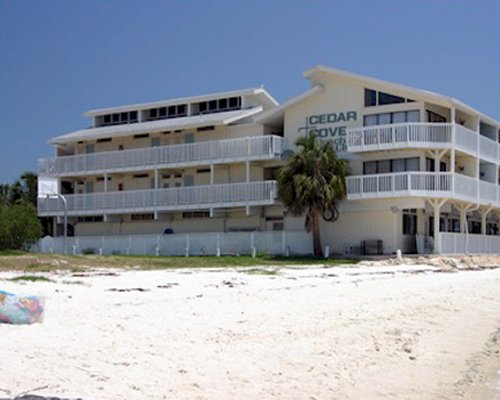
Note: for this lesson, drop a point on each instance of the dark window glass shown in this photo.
(162, 111)
(436, 118)
(203, 106)
(386, 98)
(153, 113)
(429, 165)
(223, 104)
(107, 119)
(116, 117)
(412, 164)
(212, 105)
(124, 117)
(370, 98)
(234, 102)
(384, 166)
(171, 111)
(133, 115)
(409, 224)
(181, 109)
(369, 167)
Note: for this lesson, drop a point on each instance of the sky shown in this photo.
(59, 58)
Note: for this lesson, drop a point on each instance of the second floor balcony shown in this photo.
(180, 155)
(156, 200)
(447, 185)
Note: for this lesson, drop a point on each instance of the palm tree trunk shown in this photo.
(318, 251)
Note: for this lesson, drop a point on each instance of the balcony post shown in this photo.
(212, 170)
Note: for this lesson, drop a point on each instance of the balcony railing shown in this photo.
(215, 151)
(423, 184)
(422, 135)
(185, 198)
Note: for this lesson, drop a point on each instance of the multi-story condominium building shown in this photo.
(424, 168)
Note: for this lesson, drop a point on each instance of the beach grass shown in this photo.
(34, 262)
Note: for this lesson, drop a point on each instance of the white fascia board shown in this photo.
(278, 112)
(223, 118)
(314, 72)
(180, 100)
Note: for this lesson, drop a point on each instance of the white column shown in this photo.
(247, 164)
(156, 187)
(212, 173)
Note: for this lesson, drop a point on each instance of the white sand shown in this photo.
(364, 333)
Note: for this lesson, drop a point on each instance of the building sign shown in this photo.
(330, 127)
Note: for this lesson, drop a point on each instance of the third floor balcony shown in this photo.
(423, 135)
(180, 155)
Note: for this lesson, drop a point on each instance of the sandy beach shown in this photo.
(387, 332)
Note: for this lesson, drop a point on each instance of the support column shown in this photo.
(156, 186)
(436, 205)
(462, 208)
(212, 180)
(484, 213)
(105, 217)
(247, 164)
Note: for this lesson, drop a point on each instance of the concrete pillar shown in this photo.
(248, 171)
(212, 171)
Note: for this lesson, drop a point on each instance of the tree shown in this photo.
(312, 182)
(20, 227)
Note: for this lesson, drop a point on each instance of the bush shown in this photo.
(88, 250)
(20, 227)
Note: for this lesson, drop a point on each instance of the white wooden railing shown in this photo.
(459, 243)
(423, 184)
(215, 151)
(422, 135)
(185, 198)
(184, 244)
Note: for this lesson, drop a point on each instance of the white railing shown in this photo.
(422, 135)
(215, 151)
(488, 149)
(185, 198)
(459, 243)
(192, 244)
(395, 135)
(466, 139)
(423, 184)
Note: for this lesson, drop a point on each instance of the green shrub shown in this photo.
(20, 227)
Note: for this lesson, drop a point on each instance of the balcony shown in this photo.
(186, 198)
(423, 184)
(422, 135)
(174, 156)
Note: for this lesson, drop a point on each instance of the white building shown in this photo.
(420, 163)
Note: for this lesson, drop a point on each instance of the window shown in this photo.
(141, 136)
(107, 119)
(205, 128)
(141, 217)
(374, 98)
(103, 140)
(203, 170)
(91, 218)
(400, 117)
(217, 105)
(370, 98)
(140, 176)
(386, 98)
(409, 222)
(162, 111)
(195, 214)
(394, 165)
(435, 118)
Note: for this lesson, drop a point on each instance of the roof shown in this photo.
(275, 115)
(315, 72)
(223, 118)
(266, 99)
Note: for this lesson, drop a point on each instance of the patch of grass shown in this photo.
(31, 278)
(12, 253)
(261, 271)
(49, 262)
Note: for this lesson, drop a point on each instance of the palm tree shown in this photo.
(312, 182)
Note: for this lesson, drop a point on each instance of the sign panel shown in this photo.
(331, 126)
(47, 186)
